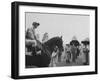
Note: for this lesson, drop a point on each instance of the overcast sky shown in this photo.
(59, 24)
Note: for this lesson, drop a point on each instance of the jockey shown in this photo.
(31, 38)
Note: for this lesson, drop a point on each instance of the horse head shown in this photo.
(55, 41)
(59, 43)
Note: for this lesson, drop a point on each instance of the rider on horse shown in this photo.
(31, 39)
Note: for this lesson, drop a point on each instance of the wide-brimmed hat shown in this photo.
(74, 41)
(86, 41)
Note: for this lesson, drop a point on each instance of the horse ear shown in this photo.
(61, 37)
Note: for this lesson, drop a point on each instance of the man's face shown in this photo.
(36, 25)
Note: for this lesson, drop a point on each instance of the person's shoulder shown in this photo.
(30, 28)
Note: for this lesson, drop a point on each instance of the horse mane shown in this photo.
(52, 40)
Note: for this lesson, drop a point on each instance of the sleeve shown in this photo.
(29, 34)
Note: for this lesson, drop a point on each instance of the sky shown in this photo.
(66, 25)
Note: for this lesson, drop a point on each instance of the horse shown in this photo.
(43, 59)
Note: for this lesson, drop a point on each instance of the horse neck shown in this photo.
(51, 47)
(51, 43)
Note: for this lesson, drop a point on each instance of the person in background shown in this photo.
(68, 53)
(54, 57)
(86, 49)
(74, 48)
(45, 37)
(73, 52)
(86, 53)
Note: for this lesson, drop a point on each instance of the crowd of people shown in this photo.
(74, 52)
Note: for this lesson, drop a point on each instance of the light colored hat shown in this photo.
(86, 39)
(74, 38)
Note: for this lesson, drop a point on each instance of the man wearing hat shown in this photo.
(74, 48)
(86, 50)
(31, 39)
